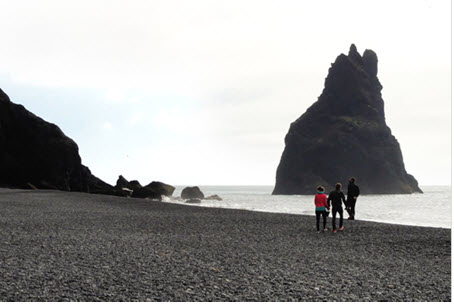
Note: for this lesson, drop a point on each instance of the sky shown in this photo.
(203, 92)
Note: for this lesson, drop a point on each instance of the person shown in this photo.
(321, 206)
(336, 197)
(352, 195)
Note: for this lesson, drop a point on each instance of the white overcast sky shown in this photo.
(203, 92)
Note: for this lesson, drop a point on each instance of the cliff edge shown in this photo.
(37, 154)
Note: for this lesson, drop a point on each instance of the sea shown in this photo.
(433, 208)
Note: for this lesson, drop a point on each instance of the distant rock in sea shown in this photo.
(36, 152)
(344, 134)
(214, 197)
(192, 193)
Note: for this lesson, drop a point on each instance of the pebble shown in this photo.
(69, 246)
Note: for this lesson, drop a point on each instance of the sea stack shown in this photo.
(344, 134)
(37, 154)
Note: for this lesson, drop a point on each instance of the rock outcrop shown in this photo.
(122, 182)
(344, 134)
(192, 193)
(134, 184)
(146, 192)
(162, 188)
(154, 190)
(36, 152)
(214, 197)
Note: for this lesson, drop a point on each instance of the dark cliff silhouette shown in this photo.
(344, 134)
(37, 154)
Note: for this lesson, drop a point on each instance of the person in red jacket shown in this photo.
(321, 207)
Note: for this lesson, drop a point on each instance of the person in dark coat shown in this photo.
(336, 197)
(352, 195)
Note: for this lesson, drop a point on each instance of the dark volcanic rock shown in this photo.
(37, 152)
(134, 184)
(146, 192)
(154, 190)
(214, 197)
(122, 182)
(125, 192)
(192, 193)
(161, 188)
(344, 134)
(30, 186)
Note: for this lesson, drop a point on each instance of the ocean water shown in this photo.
(431, 208)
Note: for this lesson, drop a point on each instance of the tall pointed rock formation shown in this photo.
(344, 134)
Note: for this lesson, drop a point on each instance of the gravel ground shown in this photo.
(59, 246)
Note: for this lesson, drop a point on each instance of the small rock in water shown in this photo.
(193, 201)
(214, 197)
(192, 193)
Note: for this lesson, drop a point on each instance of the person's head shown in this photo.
(320, 189)
(338, 186)
(352, 180)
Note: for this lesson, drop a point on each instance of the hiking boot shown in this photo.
(350, 218)
(334, 231)
(341, 228)
(326, 229)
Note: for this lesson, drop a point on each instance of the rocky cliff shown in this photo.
(35, 153)
(344, 134)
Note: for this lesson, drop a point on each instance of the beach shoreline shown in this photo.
(304, 214)
(69, 246)
(431, 209)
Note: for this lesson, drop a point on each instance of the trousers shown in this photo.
(324, 215)
(351, 203)
(341, 217)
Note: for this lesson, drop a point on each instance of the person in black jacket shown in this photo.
(337, 197)
(352, 195)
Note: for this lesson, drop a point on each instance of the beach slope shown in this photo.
(68, 246)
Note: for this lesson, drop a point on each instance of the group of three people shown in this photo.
(336, 197)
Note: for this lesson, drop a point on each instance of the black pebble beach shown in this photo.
(60, 246)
